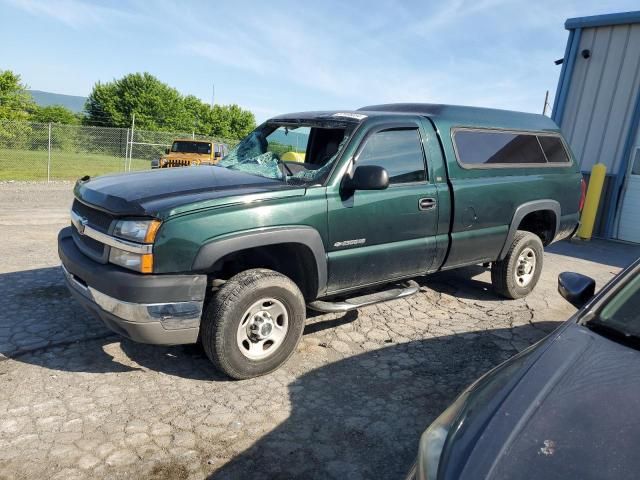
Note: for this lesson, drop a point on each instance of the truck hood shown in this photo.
(159, 193)
(573, 414)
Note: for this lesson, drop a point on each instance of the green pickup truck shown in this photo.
(232, 255)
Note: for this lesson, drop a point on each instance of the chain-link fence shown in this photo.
(43, 152)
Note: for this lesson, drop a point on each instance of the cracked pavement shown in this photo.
(78, 401)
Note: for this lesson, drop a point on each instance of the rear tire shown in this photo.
(518, 273)
(253, 324)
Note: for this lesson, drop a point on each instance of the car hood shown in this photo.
(572, 414)
(162, 192)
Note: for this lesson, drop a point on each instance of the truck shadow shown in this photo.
(361, 417)
(358, 417)
(462, 283)
(42, 325)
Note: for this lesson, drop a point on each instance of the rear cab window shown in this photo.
(553, 149)
(286, 139)
(476, 148)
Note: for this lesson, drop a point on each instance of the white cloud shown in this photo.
(299, 55)
(73, 13)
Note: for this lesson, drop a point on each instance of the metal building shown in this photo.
(597, 106)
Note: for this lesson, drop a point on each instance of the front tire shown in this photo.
(518, 273)
(253, 324)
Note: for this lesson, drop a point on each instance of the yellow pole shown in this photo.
(588, 217)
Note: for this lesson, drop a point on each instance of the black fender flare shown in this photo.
(219, 247)
(522, 211)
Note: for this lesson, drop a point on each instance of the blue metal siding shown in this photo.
(565, 75)
(597, 102)
(623, 167)
(608, 20)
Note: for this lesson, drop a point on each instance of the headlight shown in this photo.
(432, 440)
(141, 262)
(141, 231)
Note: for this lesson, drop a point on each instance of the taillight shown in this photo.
(583, 194)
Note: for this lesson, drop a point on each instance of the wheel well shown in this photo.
(542, 223)
(294, 260)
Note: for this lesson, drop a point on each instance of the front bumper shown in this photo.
(158, 309)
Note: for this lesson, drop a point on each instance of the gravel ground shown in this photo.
(80, 402)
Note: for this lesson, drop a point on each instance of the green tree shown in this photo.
(156, 105)
(15, 106)
(159, 107)
(54, 114)
(231, 121)
(15, 102)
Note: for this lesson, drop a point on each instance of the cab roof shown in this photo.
(442, 115)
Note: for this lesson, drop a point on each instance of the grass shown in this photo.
(32, 165)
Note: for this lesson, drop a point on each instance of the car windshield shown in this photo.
(298, 153)
(191, 147)
(622, 313)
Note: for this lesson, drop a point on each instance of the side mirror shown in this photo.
(368, 177)
(167, 151)
(217, 154)
(576, 288)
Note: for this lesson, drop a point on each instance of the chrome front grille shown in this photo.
(96, 247)
(98, 220)
(95, 218)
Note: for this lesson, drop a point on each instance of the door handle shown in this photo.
(426, 203)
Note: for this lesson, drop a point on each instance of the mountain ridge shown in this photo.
(75, 103)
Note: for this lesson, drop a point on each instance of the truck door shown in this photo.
(381, 235)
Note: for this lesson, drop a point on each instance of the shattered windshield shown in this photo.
(297, 153)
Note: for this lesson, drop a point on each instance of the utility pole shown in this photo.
(213, 94)
(546, 103)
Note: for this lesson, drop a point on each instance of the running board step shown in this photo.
(409, 288)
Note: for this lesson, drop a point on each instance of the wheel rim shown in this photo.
(525, 267)
(263, 328)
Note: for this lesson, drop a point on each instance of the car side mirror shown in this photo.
(368, 177)
(167, 151)
(576, 288)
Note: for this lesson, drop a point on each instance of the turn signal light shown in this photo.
(146, 263)
(154, 226)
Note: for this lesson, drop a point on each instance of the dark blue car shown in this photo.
(568, 407)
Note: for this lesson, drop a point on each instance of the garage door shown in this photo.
(629, 226)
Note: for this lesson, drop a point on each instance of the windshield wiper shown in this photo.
(613, 333)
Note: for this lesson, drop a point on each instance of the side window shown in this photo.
(399, 151)
(554, 149)
(489, 148)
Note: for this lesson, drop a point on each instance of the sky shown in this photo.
(285, 56)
